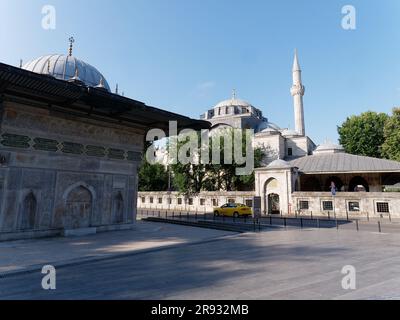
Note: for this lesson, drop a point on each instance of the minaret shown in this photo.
(297, 92)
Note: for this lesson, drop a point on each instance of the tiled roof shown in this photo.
(343, 162)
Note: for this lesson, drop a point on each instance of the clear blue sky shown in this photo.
(187, 55)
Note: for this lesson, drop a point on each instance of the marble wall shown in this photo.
(61, 172)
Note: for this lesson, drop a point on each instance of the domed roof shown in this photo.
(67, 67)
(266, 126)
(328, 147)
(233, 102)
(279, 164)
(289, 132)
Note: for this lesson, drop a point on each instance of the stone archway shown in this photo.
(357, 181)
(336, 180)
(270, 187)
(78, 208)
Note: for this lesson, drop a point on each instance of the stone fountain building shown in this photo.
(69, 149)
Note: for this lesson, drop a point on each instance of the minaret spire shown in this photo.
(296, 65)
(297, 92)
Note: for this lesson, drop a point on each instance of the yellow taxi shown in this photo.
(233, 210)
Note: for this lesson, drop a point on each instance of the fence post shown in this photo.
(357, 225)
(270, 219)
(329, 215)
(301, 223)
(337, 225)
(284, 222)
(390, 217)
(379, 226)
(347, 215)
(367, 216)
(318, 226)
(311, 216)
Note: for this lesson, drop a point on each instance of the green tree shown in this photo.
(363, 134)
(391, 146)
(152, 177)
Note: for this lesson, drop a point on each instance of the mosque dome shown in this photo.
(266, 127)
(328, 147)
(279, 164)
(68, 68)
(233, 102)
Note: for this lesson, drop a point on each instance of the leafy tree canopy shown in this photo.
(391, 146)
(364, 134)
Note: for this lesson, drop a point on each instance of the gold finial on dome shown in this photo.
(71, 43)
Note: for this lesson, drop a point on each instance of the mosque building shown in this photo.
(70, 149)
(298, 176)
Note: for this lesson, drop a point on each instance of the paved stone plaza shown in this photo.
(276, 264)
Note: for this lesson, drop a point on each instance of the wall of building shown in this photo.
(203, 202)
(275, 142)
(345, 202)
(60, 172)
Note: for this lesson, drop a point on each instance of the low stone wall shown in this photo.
(203, 202)
(353, 204)
(373, 204)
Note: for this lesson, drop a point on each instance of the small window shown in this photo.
(179, 200)
(143, 200)
(304, 205)
(202, 202)
(231, 200)
(354, 206)
(327, 205)
(190, 201)
(151, 199)
(169, 201)
(382, 207)
(290, 152)
(249, 203)
(215, 202)
(159, 200)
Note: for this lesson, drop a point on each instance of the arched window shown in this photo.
(118, 208)
(28, 213)
(358, 184)
(336, 180)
